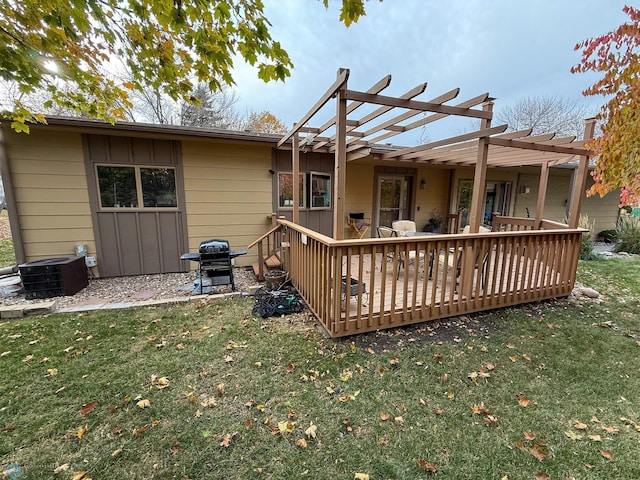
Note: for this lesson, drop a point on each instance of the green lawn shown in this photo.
(548, 389)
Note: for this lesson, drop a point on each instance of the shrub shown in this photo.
(607, 236)
(628, 235)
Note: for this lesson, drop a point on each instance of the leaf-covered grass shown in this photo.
(556, 380)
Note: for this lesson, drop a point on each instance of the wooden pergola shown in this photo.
(350, 138)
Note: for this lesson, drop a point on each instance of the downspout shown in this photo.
(12, 208)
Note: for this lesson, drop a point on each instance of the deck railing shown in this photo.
(355, 286)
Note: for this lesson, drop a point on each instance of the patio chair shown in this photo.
(478, 262)
(453, 222)
(386, 232)
(359, 224)
(403, 227)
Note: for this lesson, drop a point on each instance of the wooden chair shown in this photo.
(479, 264)
(386, 232)
(359, 224)
(453, 222)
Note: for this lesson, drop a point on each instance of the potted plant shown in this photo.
(434, 223)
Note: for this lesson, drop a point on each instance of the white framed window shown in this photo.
(320, 190)
(285, 190)
(123, 186)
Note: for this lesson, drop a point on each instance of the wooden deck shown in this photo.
(451, 274)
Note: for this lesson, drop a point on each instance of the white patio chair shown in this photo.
(403, 227)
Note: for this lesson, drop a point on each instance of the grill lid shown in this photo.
(214, 246)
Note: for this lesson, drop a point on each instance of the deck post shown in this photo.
(480, 176)
(477, 203)
(340, 167)
(580, 179)
(542, 194)
(295, 160)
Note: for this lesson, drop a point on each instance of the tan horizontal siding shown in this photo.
(227, 192)
(50, 186)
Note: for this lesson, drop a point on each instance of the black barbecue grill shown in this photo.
(214, 262)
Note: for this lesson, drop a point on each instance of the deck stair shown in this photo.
(269, 252)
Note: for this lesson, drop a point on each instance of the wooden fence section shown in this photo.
(356, 286)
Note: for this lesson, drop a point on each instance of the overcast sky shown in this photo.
(511, 49)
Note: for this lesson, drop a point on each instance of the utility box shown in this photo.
(53, 277)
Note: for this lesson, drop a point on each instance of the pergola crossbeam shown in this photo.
(429, 119)
(416, 105)
(343, 76)
(406, 152)
(414, 92)
(380, 85)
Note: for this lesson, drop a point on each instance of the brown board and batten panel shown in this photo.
(145, 234)
(50, 185)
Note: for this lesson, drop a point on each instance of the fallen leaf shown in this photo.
(541, 476)
(62, 468)
(573, 435)
(160, 383)
(580, 426)
(60, 390)
(595, 438)
(8, 428)
(606, 454)
(538, 452)
(209, 403)
(87, 407)
(144, 403)
(301, 443)
(311, 431)
(429, 467)
(526, 357)
(6, 353)
(139, 431)
(524, 401)
(385, 416)
(226, 440)
(450, 395)
(370, 351)
(361, 476)
(484, 349)
(286, 427)
(78, 475)
(512, 358)
(510, 345)
(228, 359)
(257, 364)
(112, 408)
(529, 435)
(198, 413)
(44, 360)
(220, 388)
(117, 452)
(180, 346)
(27, 359)
(612, 430)
(399, 420)
(52, 372)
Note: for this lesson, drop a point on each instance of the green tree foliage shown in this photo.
(67, 49)
(164, 43)
(616, 55)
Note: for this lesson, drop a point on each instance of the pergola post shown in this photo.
(542, 194)
(580, 179)
(480, 176)
(340, 164)
(295, 161)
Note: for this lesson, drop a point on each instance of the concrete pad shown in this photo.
(87, 307)
(116, 306)
(42, 308)
(12, 311)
